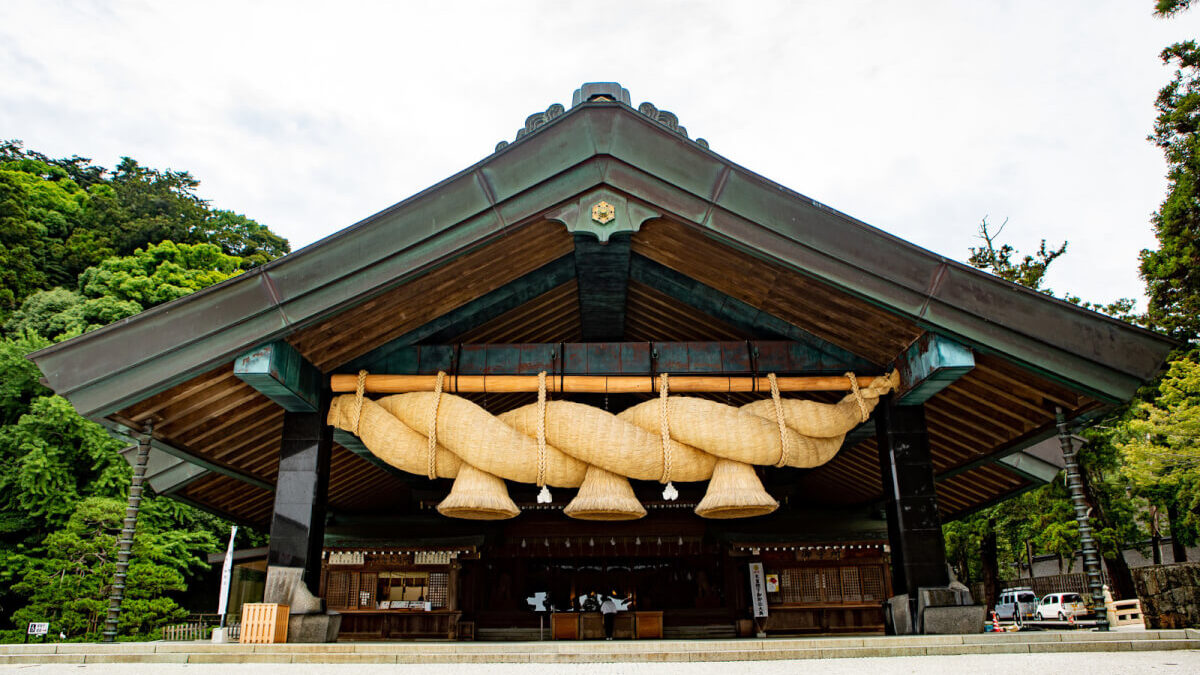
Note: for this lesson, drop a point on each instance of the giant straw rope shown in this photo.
(565, 444)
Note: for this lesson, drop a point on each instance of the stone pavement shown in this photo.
(1183, 662)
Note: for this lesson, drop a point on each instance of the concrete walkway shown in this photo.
(1184, 662)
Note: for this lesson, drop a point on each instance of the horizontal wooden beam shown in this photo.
(755, 357)
(279, 372)
(928, 366)
(125, 434)
(746, 317)
(589, 384)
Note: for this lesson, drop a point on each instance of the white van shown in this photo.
(1060, 606)
(1021, 599)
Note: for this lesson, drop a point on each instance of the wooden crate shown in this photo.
(264, 623)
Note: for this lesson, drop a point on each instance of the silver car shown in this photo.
(1017, 600)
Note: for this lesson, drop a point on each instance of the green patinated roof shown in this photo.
(611, 146)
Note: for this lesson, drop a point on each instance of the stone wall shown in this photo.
(1170, 595)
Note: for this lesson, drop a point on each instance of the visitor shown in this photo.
(609, 609)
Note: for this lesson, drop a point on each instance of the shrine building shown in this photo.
(604, 359)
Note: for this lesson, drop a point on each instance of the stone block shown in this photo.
(308, 628)
(955, 620)
(898, 615)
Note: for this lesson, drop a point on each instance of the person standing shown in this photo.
(608, 608)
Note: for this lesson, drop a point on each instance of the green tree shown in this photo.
(1028, 271)
(68, 581)
(1160, 443)
(159, 273)
(245, 238)
(122, 286)
(1172, 272)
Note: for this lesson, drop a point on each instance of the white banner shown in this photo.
(226, 574)
(758, 590)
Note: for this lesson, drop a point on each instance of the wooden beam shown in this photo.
(928, 366)
(589, 384)
(277, 371)
(740, 315)
(618, 358)
(603, 272)
(123, 433)
(474, 313)
(166, 473)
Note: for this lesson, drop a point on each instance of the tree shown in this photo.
(244, 238)
(1029, 272)
(123, 286)
(1043, 518)
(1172, 272)
(68, 582)
(81, 247)
(1160, 443)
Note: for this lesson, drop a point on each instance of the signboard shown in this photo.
(758, 590)
(226, 574)
(38, 629)
(772, 583)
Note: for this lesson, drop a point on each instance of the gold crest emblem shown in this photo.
(603, 213)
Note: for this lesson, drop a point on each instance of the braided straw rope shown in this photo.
(555, 442)
(862, 405)
(358, 399)
(544, 495)
(664, 420)
(433, 425)
(783, 437)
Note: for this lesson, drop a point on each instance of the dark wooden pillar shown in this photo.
(298, 521)
(914, 528)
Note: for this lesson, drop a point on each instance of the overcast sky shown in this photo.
(920, 118)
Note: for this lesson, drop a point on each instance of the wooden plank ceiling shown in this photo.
(217, 417)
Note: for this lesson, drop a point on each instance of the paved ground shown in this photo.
(1116, 663)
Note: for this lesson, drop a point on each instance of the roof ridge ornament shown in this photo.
(668, 119)
(600, 92)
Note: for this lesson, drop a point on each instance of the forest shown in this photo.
(82, 245)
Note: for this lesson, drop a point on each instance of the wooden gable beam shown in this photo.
(470, 315)
(603, 272)
(741, 315)
(279, 372)
(928, 366)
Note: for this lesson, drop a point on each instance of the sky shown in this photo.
(920, 118)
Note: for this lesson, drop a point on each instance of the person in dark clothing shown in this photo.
(608, 608)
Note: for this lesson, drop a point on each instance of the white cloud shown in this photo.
(919, 118)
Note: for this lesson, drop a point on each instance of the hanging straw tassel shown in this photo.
(605, 496)
(735, 492)
(478, 495)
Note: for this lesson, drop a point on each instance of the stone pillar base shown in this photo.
(310, 628)
(935, 611)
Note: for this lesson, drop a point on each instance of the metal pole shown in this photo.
(125, 543)
(1091, 556)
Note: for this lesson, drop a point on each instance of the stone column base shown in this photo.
(309, 628)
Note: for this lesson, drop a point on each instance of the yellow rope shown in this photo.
(784, 448)
(664, 415)
(433, 422)
(862, 405)
(358, 398)
(541, 431)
